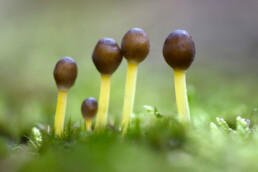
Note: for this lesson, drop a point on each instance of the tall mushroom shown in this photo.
(65, 74)
(135, 48)
(179, 52)
(106, 57)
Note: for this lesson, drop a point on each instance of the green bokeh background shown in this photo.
(36, 34)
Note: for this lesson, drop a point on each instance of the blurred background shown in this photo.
(34, 35)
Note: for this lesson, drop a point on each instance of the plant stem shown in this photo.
(181, 97)
(88, 125)
(103, 103)
(129, 95)
(60, 112)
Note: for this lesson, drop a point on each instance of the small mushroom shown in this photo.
(65, 74)
(179, 53)
(135, 47)
(106, 57)
(89, 109)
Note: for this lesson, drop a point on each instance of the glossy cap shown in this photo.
(179, 50)
(135, 45)
(107, 56)
(65, 73)
(89, 108)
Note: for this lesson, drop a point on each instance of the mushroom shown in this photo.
(65, 74)
(106, 57)
(89, 109)
(135, 47)
(179, 52)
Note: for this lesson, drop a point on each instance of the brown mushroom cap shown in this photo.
(107, 56)
(65, 73)
(89, 108)
(179, 50)
(135, 45)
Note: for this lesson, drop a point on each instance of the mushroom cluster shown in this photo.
(178, 51)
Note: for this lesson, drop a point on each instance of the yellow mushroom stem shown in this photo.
(88, 124)
(181, 97)
(103, 103)
(60, 112)
(129, 95)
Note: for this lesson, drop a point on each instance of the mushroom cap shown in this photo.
(89, 108)
(107, 56)
(135, 45)
(179, 50)
(65, 73)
